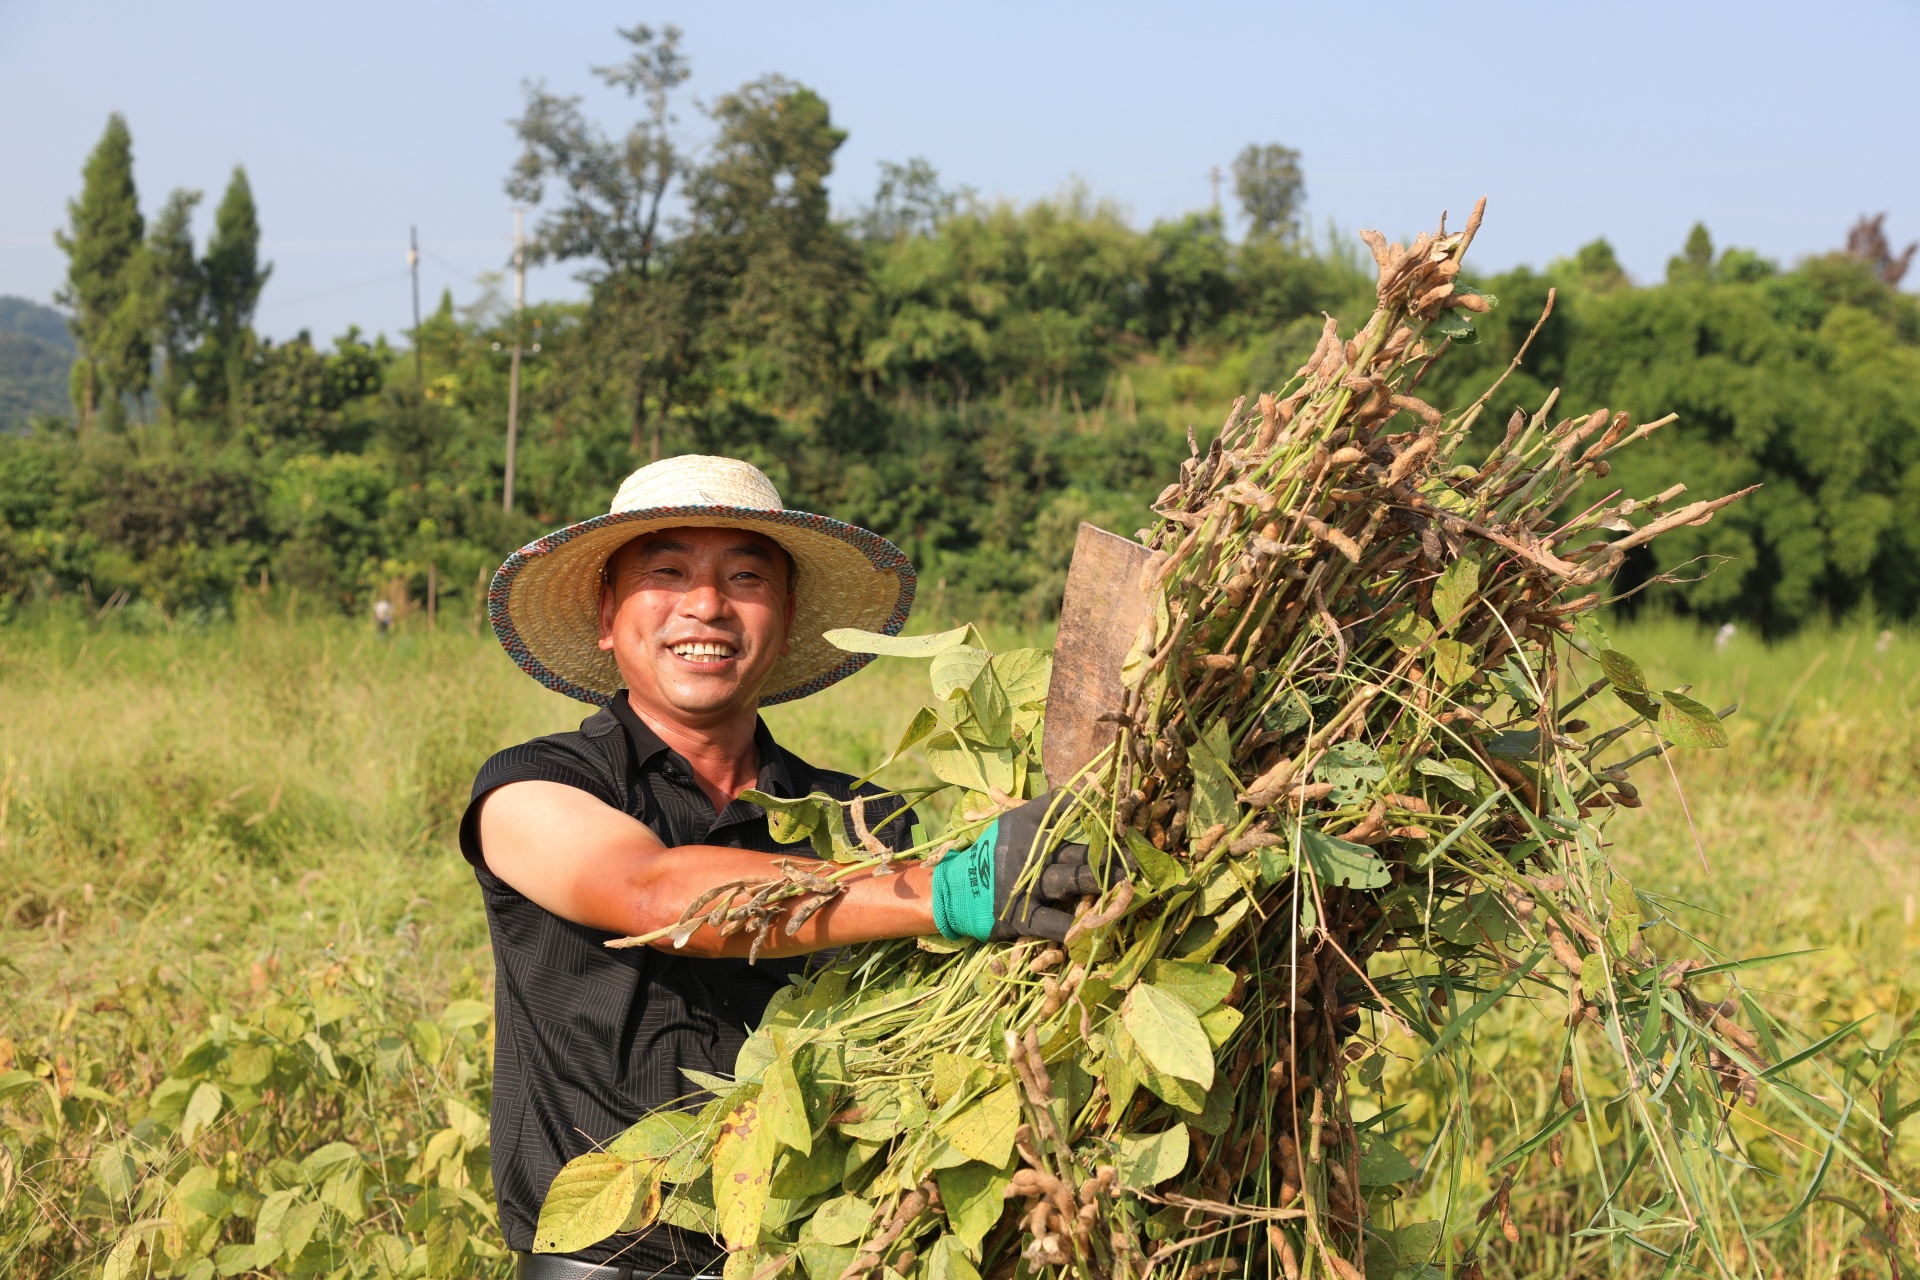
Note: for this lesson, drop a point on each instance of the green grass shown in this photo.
(238, 930)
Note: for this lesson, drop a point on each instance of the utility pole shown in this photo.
(1212, 174)
(513, 375)
(413, 265)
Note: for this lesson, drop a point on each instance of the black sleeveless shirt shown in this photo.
(588, 1040)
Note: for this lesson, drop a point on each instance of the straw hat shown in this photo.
(545, 601)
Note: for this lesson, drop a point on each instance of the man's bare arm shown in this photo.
(587, 862)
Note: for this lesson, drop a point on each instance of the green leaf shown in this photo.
(953, 1074)
(956, 668)
(1593, 976)
(1162, 871)
(984, 1129)
(666, 1136)
(842, 1220)
(1459, 583)
(1221, 1023)
(956, 761)
(1407, 631)
(1686, 723)
(1453, 662)
(1214, 783)
(742, 1170)
(783, 1108)
(1146, 1161)
(1341, 862)
(1024, 674)
(1448, 772)
(798, 1176)
(973, 1195)
(1403, 1254)
(1351, 767)
(1382, 1164)
(1201, 986)
(854, 640)
(1168, 1033)
(589, 1199)
(329, 1160)
(948, 1260)
(447, 1246)
(991, 724)
(202, 1109)
(1622, 672)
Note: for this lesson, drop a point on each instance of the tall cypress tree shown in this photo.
(177, 294)
(233, 276)
(103, 274)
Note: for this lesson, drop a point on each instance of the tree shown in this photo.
(1271, 189)
(234, 276)
(909, 201)
(176, 293)
(608, 211)
(768, 280)
(1695, 261)
(103, 250)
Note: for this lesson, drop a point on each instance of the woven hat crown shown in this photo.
(697, 480)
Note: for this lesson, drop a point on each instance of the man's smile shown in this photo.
(710, 654)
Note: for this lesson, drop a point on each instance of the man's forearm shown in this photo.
(897, 904)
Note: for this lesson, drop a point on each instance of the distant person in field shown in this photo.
(699, 598)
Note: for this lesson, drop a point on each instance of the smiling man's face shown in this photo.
(695, 620)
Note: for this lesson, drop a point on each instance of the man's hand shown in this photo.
(587, 862)
(1010, 883)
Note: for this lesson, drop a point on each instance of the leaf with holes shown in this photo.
(591, 1198)
(1342, 862)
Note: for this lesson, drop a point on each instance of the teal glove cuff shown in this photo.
(963, 888)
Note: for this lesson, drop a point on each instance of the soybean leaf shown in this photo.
(590, 1199)
(1382, 1164)
(1453, 662)
(972, 1193)
(202, 1109)
(1220, 1023)
(742, 1170)
(1448, 772)
(1407, 630)
(1454, 592)
(1351, 767)
(1024, 674)
(854, 640)
(991, 724)
(1622, 672)
(948, 1260)
(955, 669)
(1686, 723)
(1161, 871)
(1168, 1033)
(953, 1074)
(666, 1136)
(1289, 712)
(984, 1130)
(1341, 862)
(790, 821)
(1183, 1094)
(953, 760)
(842, 1220)
(1214, 783)
(783, 1108)
(1148, 1160)
(1202, 986)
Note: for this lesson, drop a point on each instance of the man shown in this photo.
(696, 600)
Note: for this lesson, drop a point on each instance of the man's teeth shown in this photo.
(703, 649)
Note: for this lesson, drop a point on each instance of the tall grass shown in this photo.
(237, 933)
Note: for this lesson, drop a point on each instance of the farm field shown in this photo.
(245, 1018)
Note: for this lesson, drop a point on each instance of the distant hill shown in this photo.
(36, 352)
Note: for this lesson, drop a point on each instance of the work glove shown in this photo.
(1014, 882)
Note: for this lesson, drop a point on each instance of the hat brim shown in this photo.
(544, 602)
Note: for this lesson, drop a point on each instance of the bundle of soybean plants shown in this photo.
(1354, 802)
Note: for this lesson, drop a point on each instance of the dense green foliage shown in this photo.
(971, 379)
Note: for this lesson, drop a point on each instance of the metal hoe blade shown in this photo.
(1099, 619)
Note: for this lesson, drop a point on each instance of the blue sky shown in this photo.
(1776, 124)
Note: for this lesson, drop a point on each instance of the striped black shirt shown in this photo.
(588, 1040)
